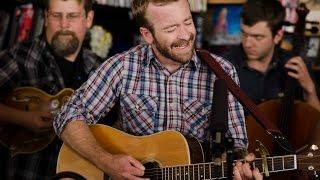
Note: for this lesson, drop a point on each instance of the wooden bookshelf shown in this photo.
(226, 1)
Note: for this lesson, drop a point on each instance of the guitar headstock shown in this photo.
(309, 159)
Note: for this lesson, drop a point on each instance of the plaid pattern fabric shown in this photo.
(32, 64)
(151, 99)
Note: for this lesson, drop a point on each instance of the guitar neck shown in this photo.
(214, 170)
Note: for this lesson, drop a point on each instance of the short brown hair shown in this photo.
(138, 8)
(87, 4)
(271, 11)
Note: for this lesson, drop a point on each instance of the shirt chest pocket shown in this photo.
(139, 112)
(196, 111)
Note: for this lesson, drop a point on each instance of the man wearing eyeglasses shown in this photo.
(54, 61)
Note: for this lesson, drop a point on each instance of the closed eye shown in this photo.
(188, 22)
(170, 28)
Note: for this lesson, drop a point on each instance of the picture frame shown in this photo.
(222, 24)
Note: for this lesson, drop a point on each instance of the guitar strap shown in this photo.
(270, 128)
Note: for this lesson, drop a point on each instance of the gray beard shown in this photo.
(62, 48)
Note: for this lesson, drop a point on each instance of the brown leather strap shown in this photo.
(245, 100)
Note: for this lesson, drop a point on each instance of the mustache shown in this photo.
(64, 32)
(183, 41)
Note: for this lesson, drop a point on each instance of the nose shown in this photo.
(184, 33)
(64, 22)
(247, 41)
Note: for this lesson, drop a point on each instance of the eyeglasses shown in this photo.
(71, 17)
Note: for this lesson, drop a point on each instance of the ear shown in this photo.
(89, 19)
(146, 34)
(45, 18)
(277, 38)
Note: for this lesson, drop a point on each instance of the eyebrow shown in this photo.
(63, 12)
(251, 34)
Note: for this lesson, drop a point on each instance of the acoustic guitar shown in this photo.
(20, 140)
(169, 155)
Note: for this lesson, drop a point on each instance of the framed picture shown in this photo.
(223, 24)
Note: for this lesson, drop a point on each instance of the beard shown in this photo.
(179, 58)
(65, 43)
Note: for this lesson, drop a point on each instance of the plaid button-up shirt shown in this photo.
(152, 99)
(32, 64)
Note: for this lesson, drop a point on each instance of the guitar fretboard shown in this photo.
(219, 170)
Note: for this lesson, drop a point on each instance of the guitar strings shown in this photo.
(178, 170)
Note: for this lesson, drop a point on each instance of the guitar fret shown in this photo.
(186, 172)
(193, 172)
(168, 174)
(189, 173)
(163, 173)
(182, 173)
(277, 164)
(203, 173)
(171, 177)
(288, 162)
(198, 171)
(176, 173)
(210, 171)
(269, 164)
(222, 169)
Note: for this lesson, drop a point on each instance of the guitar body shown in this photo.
(18, 139)
(301, 125)
(167, 148)
(168, 155)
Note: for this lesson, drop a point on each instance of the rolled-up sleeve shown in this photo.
(94, 98)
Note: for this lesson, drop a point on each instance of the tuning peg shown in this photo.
(314, 147)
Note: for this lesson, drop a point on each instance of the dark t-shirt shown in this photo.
(72, 72)
(262, 86)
